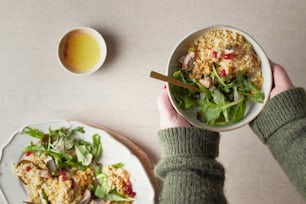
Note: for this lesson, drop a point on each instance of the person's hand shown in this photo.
(281, 80)
(169, 118)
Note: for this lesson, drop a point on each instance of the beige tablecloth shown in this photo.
(140, 36)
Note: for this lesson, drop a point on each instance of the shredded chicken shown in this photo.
(187, 61)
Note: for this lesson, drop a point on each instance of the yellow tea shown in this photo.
(81, 52)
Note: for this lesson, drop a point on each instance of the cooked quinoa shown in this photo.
(69, 186)
(229, 50)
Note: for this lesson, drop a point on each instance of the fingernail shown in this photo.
(165, 86)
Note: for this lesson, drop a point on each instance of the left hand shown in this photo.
(169, 118)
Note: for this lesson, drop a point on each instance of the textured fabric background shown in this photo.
(140, 35)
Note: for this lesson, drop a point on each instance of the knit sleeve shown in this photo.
(188, 168)
(282, 126)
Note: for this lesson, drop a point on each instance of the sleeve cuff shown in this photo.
(282, 109)
(189, 141)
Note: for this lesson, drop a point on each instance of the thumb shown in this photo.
(168, 116)
(163, 103)
(281, 77)
(281, 80)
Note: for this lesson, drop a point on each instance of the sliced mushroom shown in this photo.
(97, 202)
(51, 165)
(44, 173)
(206, 82)
(86, 197)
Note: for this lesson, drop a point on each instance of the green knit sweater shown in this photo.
(188, 168)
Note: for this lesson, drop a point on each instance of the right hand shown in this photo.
(281, 80)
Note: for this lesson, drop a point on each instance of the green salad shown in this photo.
(64, 148)
(220, 104)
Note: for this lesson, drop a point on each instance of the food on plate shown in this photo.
(226, 69)
(63, 168)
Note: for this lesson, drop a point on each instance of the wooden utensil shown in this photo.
(173, 81)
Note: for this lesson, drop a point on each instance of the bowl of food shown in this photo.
(231, 72)
(82, 51)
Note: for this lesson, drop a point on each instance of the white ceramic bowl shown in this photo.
(252, 110)
(62, 48)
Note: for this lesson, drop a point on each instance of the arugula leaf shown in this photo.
(59, 144)
(225, 83)
(66, 150)
(114, 196)
(219, 98)
(214, 66)
(74, 131)
(180, 75)
(83, 154)
(184, 97)
(33, 132)
(210, 112)
(35, 148)
(43, 197)
(97, 168)
(204, 91)
(237, 111)
(251, 92)
(100, 190)
(96, 147)
(117, 165)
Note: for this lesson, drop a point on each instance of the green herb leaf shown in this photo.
(114, 196)
(217, 75)
(43, 197)
(33, 132)
(83, 154)
(251, 92)
(96, 147)
(210, 112)
(219, 98)
(101, 191)
(97, 169)
(237, 111)
(74, 131)
(117, 165)
(34, 148)
(184, 97)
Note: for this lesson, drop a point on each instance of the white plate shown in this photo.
(113, 152)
